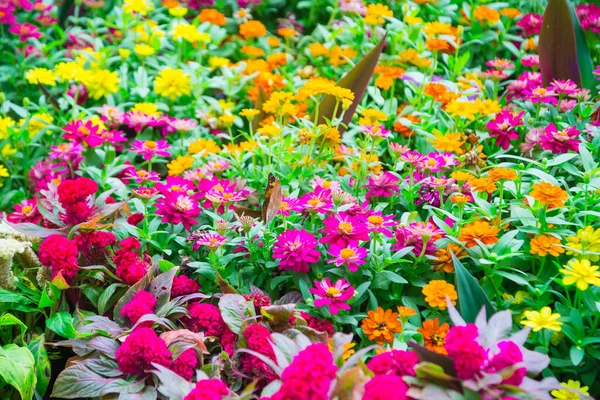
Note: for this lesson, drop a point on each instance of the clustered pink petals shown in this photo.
(182, 285)
(258, 338)
(296, 250)
(142, 348)
(150, 148)
(395, 362)
(416, 235)
(333, 296)
(185, 364)
(309, 376)
(468, 355)
(26, 211)
(559, 141)
(385, 387)
(343, 229)
(60, 255)
(141, 304)
(383, 185)
(350, 256)
(503, 127)
(130, 267)
(531, 24)
(74, 197)
(94, 246)
(510, 355)
(175, 208)
(206, 318)
(208, 389)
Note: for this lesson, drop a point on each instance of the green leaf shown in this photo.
(577, 354)
(357, 80)
(392, 276)
(78, 381)
(9, 319)
(471, 296)
(17, 369)
(235, 310)
(165, 265)
(62, 324)
(104, 301)
(42, 364)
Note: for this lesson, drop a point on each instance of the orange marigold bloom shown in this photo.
(252, 51)
(449, 142)
(480, 230)
(436, 292)
(500, 173)
(435, 90)
(530, 45)
(381, 325)
(462, 176)
(543, 245)
(460, 199)
(548, 194)
(252, 29)
(213, 16)
(277, 60)
(403, 129)
(486, 14)
(406, 312)
(317, 49)
(434, 335)
(444, 258)
(510, 12)
(337, 55)
(286, 32)
(437, 44)
(485, 184)
(437, 28)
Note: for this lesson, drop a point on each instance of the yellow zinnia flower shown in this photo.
(179, 165)
(137, 6)
(41, 75)
(172, 83)
(543, 319)
(5, 124)
(571, 391)
(582, 273)
(102, 83)
(587, 240)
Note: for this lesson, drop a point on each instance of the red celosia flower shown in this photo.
(258, 338)
(309, 375)
(141, 304)
(135, 219)
(258, 300)
(208, 389)
(185, 364)
(395, 362)
(183, 285)
(205, 318)
(343, 229)
(228, 341)
(60, 255)
(73, 196)
(315, 323)
(130, 267)
(385, 387)
(296, 249)
(93, 245)
(142, 348)
(509, 355)
(469, 356)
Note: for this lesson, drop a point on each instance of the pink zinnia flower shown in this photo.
(531, 24)
(500, 63)
(289, 204)
(137, 120)
(26, 211)
(69, 153)
(80, 131)
(398, 149)
(296, 250)
(217, 167)
(502, 127)
(560, 142)
(541, 95)
(149, 148)
(317, 182)
(510, 354)
(343, 229)
(383, 185)
(352, 256)
(180, 125)
(334, 296)
(25, 31)
(412, 157)
(178, 208)
(319, 201)
(175, 185)
(376, 131)
(143, 176)
(531, 60)
(211, 240)
(377, 222)
(565, 87)
(7, 16)
(415, 235)
(144, 192)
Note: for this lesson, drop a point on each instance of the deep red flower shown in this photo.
(208, 389)
(141, 304)
(258, 338)
(142, 348)
(205, 318)
(60, 255)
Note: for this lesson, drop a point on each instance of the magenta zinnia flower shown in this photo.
(333, 296)
(565, 87)
(296, 249)
(343, 229)
(319, 201)
(503, 127)
(142, 176)
(416, 235)
(559, 142)
(351, 256)
(80, 131)
(26, 211)
(541, 95)
(377, 222)
(211, 240)
(531, 24)
(25, 31)
(175, 208)
(382, 185)
(149, 148)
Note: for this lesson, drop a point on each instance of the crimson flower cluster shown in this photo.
(130, 268)
(60, 255)
(74, 197)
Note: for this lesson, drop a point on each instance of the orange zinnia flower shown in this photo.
(444, 258)
(485, 184)
(500, 173)
(486, 14)
(381, 325)
(436, 292)
(406, 312)
(434, 335)
(252, 29)
(480, 230)
(548, 194)
(543, 245)
(437, 44)
(212, 16)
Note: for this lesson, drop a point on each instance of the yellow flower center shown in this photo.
(332, 292)
(26, 210)
(345, 227)
(326, 184)
(438, 340)
(83, 130)
(346, 254)
(314, 202)
(375, 220)
(150, 144)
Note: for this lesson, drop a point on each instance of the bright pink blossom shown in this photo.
(296, 250)
(333, 296)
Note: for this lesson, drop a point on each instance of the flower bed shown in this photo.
(299, 200)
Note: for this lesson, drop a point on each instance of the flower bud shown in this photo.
(222, 226)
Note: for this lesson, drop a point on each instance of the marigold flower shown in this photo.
(452, 142)
(436, 292)
(548, 194)
(434, 28)
(510, 12)
(543, 245)
(101, 83)
(381, 325)
(501, 173)
(543, 319)
(484, 184)
(434, 335)
(480, 230)
(406, 312)
(204, 146)
(462, 176)
(486, 14)
(444, 260)
(252, 29)
(172, 83)
(212, 16)
(179, 165)
(464, 109)
(376, 13)
(42, 76)
(582, 273)
(436, 44)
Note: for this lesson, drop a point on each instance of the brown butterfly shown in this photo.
(270, 205)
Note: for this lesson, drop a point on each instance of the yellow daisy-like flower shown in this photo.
(178, 12)
(413, 20)
(376, 13)
(269, 130)
(582, 273)
(371, 116)
(227, 119)
(179, 165)
(205, 146)
(3, 172)
(543, 319)
(137, 6)
(249, 113)
(487, 106)
(8, 151)
(146, 108)
(587, 240)
(41, 75)
(124, 53)
(189, 33)
(68, 71)
(449, 142)
(172, 83)
(572, 391)
(102, 83)
(218, 62)
(5, 124)
(37, 122)
(143, 50)
(464, 109)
